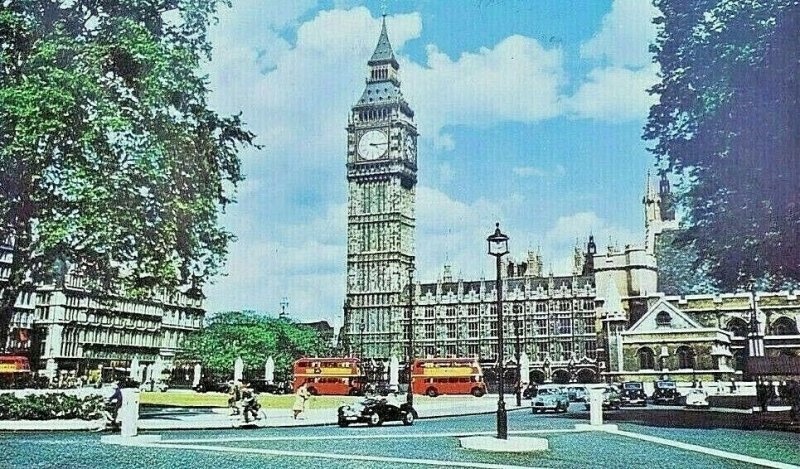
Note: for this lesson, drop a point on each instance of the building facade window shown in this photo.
(685, 357)
(646, 358)
(784, 326)
(663, 319)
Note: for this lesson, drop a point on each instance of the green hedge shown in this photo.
(50, 406)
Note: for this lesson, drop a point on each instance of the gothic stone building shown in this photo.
(605, 321)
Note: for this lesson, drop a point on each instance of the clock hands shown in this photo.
(378, 144)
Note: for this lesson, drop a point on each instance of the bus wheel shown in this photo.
(313, 391)
(477, 392)
(375, 420)
(353, 392)
(431, 392)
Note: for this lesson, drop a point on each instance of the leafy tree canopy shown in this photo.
(112, 158)
(254, 338)
(727, 120)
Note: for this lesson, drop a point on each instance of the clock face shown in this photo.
(372, 145)
(409, 147)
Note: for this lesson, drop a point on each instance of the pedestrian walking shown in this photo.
(762, 395)
(301, 396)
(234, 395)
(793, 391)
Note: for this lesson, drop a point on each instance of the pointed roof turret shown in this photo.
(383, 51)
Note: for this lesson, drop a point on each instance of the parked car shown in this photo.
(375, 411)
(262, 386)
(666, 392)
(633, 394)
(576, 393)
(162, 386)
(530, 391)
(697, 399)
(209, 384)
(550, 397)
(611, 399)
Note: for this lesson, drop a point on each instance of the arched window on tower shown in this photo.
(646, 358)
(685, 357)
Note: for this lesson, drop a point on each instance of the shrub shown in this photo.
(50, 406)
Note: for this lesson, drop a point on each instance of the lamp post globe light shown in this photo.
(498, 247)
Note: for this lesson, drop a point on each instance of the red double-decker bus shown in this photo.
(434, 376)
(15, 371)
(329, 376)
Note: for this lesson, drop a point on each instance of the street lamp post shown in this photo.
(498, 247)
(519, 365)
(361, 346)
(410, 330)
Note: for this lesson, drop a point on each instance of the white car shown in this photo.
(697, 399)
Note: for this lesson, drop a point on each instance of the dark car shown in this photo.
(633, 394)
(666, 392)
(530, 391)
(209, 384)
(375, 411)
(262, 386)
(611, 399)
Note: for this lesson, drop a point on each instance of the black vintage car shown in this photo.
(375, 411)
(666, 392)
(210, 384)
(633, 394)
(262, 386)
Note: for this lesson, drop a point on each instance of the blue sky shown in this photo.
(530, 114)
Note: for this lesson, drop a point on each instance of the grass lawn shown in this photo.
(181, 398)
(216, 399)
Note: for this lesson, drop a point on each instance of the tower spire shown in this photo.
(383, 51)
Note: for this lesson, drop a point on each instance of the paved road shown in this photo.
(397, 446)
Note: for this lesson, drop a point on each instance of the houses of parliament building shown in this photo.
(607, 320)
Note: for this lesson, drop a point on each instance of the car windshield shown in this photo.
(633, 385)
(666, 385)
(547, 391)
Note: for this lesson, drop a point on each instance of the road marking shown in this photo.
(365, 437)
(704, 450)
(347, 457)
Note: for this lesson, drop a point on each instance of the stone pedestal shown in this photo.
(596, 406)
(129, 413)
(514, 444)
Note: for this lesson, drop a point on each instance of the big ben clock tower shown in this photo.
(381, 180)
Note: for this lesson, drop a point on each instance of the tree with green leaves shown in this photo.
(254, 338)
(112, 159)
(727, 123)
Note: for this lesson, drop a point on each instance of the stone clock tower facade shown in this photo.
(381, 181)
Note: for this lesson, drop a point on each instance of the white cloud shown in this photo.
(617, 90)
(614, 94)
(625, 34)
(533, 171)
(517, 80)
